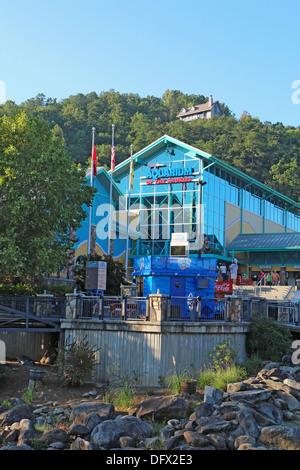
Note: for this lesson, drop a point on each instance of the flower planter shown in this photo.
(188, 387)
(36, 374)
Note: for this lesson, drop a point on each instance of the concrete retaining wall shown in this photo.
(154, 347)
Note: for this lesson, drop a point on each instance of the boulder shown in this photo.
(81, 444)
(217, 440)
(163, 408)
(247, 422)
(79, 430)
(213, 395)
(237, 387)
(16, 414)
(108, 433)
(253, 396)
(56, 435)
(281, 437)
(204, 409)
(289, 401)
(212, 424)
(293, 387)
(26, 432)
(269, 411)
(244, 440)
(195, 439)
(92, 413)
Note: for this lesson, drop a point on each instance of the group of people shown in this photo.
(270, 279)
(232, 272)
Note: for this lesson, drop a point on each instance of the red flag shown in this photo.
(94, 159)
(113, 158)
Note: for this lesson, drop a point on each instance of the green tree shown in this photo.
(42, 195)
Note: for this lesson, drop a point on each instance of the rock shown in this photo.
(294, 387)
(229, 407)
(166, 432)
(253, 396)
(174, 441)
(22, 447)
(163, 408)
(79, 430)
(213, 395)
(152, 443)
(56, 435)
(17, 413)
(247, 422)
(127, 441)
(108, 433)
(204, 409)
(57, 445)
(212, 424)
(173, 422)
(81, 444)
(232, 435)
(195, 439)
(92, 413)
(237, 387)
(290, 402)
(246, 446)
(244, 440)
(26, 432)
(282, 437)
(269, 411)
(217, 440)
(276, 385)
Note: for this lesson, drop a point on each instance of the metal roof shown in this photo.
(265, 241)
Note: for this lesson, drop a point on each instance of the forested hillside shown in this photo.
(269, 152)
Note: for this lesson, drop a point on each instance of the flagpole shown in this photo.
(91, 206)
(128, 213)
(110, 195)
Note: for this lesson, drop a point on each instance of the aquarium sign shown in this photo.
(169, 175)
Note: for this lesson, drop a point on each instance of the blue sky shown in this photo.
(246, 54)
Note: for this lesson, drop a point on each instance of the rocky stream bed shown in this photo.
(260, 413)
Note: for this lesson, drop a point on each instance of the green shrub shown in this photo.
(224, 355)
(124, 385)
(76, 362)
(32, 290)
(253, 365)
(222, 377)
(268, 339)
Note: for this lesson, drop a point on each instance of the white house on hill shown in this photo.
(201, 111)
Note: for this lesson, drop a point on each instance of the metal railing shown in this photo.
(198, 309)
(138, 308)
(286, 312)
(42, 307)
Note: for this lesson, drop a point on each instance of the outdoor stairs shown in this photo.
(265, 292)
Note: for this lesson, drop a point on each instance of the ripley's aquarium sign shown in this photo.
(169, 175)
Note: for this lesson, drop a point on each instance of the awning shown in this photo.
(266, 242)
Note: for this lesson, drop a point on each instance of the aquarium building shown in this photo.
(188, 211)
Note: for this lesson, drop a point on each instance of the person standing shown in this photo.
(224, 272)
(233, 271)
(275, 278)
(262, 279)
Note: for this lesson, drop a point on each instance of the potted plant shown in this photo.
(188, 383)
